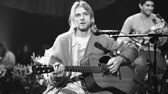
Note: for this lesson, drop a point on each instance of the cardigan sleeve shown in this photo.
(127, 51)
(55, 55)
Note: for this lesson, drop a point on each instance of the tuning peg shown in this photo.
(43, 71)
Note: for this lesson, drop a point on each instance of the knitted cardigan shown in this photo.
(61, 52)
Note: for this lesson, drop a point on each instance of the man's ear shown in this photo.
(140, 6)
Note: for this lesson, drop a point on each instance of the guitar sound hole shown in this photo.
(104, 59)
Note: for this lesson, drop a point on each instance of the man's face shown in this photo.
(147, 8)
(25, 49)
(82, 19)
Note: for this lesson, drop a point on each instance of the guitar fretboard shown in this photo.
(84, 69)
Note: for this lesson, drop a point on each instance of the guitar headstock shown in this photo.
(40, 69)
(158, 26)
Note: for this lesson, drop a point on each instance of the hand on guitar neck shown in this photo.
(59, 69)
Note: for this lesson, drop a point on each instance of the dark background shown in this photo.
(17, 26)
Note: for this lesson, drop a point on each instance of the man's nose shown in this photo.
(82, 17)
(151, 7)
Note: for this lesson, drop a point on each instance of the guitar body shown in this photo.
(96, 82)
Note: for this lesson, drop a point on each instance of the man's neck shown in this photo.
(144, 17)
(83, 33)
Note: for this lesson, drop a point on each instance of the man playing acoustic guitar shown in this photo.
(145, 22)
(70, 48)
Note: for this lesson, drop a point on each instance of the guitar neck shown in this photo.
(83, 69)
(37, 69)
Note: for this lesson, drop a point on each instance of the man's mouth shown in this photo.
(82, 23)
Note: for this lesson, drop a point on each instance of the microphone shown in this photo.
(99, 46)
(108, 32)
(161, 18)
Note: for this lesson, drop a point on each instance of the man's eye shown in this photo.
(77, 15)
(86, 14)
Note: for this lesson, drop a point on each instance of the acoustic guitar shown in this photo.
(96, 75)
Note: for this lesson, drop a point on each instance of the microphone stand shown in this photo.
(154, 40)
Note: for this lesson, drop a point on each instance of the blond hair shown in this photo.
(86, 6)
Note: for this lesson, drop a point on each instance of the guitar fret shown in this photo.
(84, 69)
(77, 69)
(88, 70)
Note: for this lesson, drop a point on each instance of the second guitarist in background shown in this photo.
(145, 22)
(71, 47)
